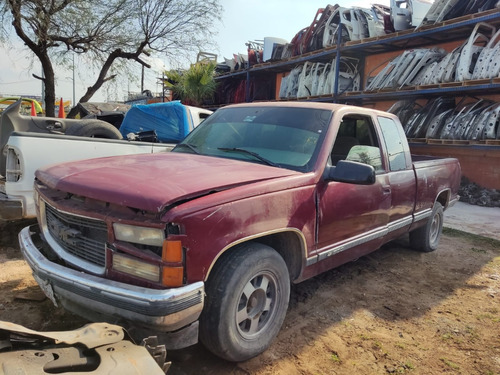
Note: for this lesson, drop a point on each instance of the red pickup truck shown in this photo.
(205, 240)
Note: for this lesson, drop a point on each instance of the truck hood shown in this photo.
(152, 182)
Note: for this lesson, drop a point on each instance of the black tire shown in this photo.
(94, 129)
(247, 298)
(426, 238)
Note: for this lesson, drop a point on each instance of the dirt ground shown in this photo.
(394, 311)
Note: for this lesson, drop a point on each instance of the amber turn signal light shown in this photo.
(173, 276)
(172, 251)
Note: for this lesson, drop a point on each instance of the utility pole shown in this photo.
(142, 79)
(74, 96)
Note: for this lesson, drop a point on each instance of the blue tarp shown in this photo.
(170, 120)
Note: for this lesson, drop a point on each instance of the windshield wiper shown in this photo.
(189, 146)
(254, 154)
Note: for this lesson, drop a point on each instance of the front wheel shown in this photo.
(426, 238)
(247, 298)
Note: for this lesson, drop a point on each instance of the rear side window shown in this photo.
(393, 139)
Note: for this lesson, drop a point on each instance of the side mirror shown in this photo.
(351, 172)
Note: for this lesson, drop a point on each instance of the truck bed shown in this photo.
(434, 175)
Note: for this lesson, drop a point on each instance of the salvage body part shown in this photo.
(417, 66)
(477, 58)
(438, 11)
(488, 62)
(492, 126)
(313, 79)
(400, 15)
(290, 84)
(333, 27)
(306, 80)
(354, 24)
(437, 123)
(440, 118)
(408, 13)
(416, 127)
(97, 348)
(419, 9)
(471, 51)
(316, 41)
(447, 9)
(406, 69)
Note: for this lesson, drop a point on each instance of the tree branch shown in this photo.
(38, 77)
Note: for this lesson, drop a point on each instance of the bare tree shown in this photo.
(107, 31)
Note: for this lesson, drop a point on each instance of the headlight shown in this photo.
(139, 235)
(136, 268)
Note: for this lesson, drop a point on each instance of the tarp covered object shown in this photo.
(170, 120)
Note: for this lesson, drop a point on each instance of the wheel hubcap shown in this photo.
(256, 305)
(435, 228)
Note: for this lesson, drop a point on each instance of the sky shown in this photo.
(242, 21)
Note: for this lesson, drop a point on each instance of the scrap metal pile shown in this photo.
(472, 193)
(441, 118)
(477, 58)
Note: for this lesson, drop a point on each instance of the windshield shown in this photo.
(278, 136)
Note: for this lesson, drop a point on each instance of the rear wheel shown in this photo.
(426, 238)
(247, 298)
(95, 129)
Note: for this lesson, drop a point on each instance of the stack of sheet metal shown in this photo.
(440, 118)
(314, 79)
(477, 58)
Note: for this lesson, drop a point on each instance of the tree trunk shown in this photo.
(50, 87)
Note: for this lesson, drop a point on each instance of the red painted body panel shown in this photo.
(209, 231)
(348, 210)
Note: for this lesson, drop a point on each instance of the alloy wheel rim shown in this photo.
(435, 228)
(256, 305)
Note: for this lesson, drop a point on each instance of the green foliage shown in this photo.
(106, 31)
(194, 85)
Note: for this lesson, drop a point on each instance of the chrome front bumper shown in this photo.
(96, 298)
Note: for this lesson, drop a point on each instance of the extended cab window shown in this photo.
(393, 139)
(356, 141)
(282, 137)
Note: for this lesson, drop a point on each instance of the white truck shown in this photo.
(24, 152)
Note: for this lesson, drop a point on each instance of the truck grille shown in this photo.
(81, 237)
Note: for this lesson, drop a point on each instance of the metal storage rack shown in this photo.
(486, 154)
(433, 35)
